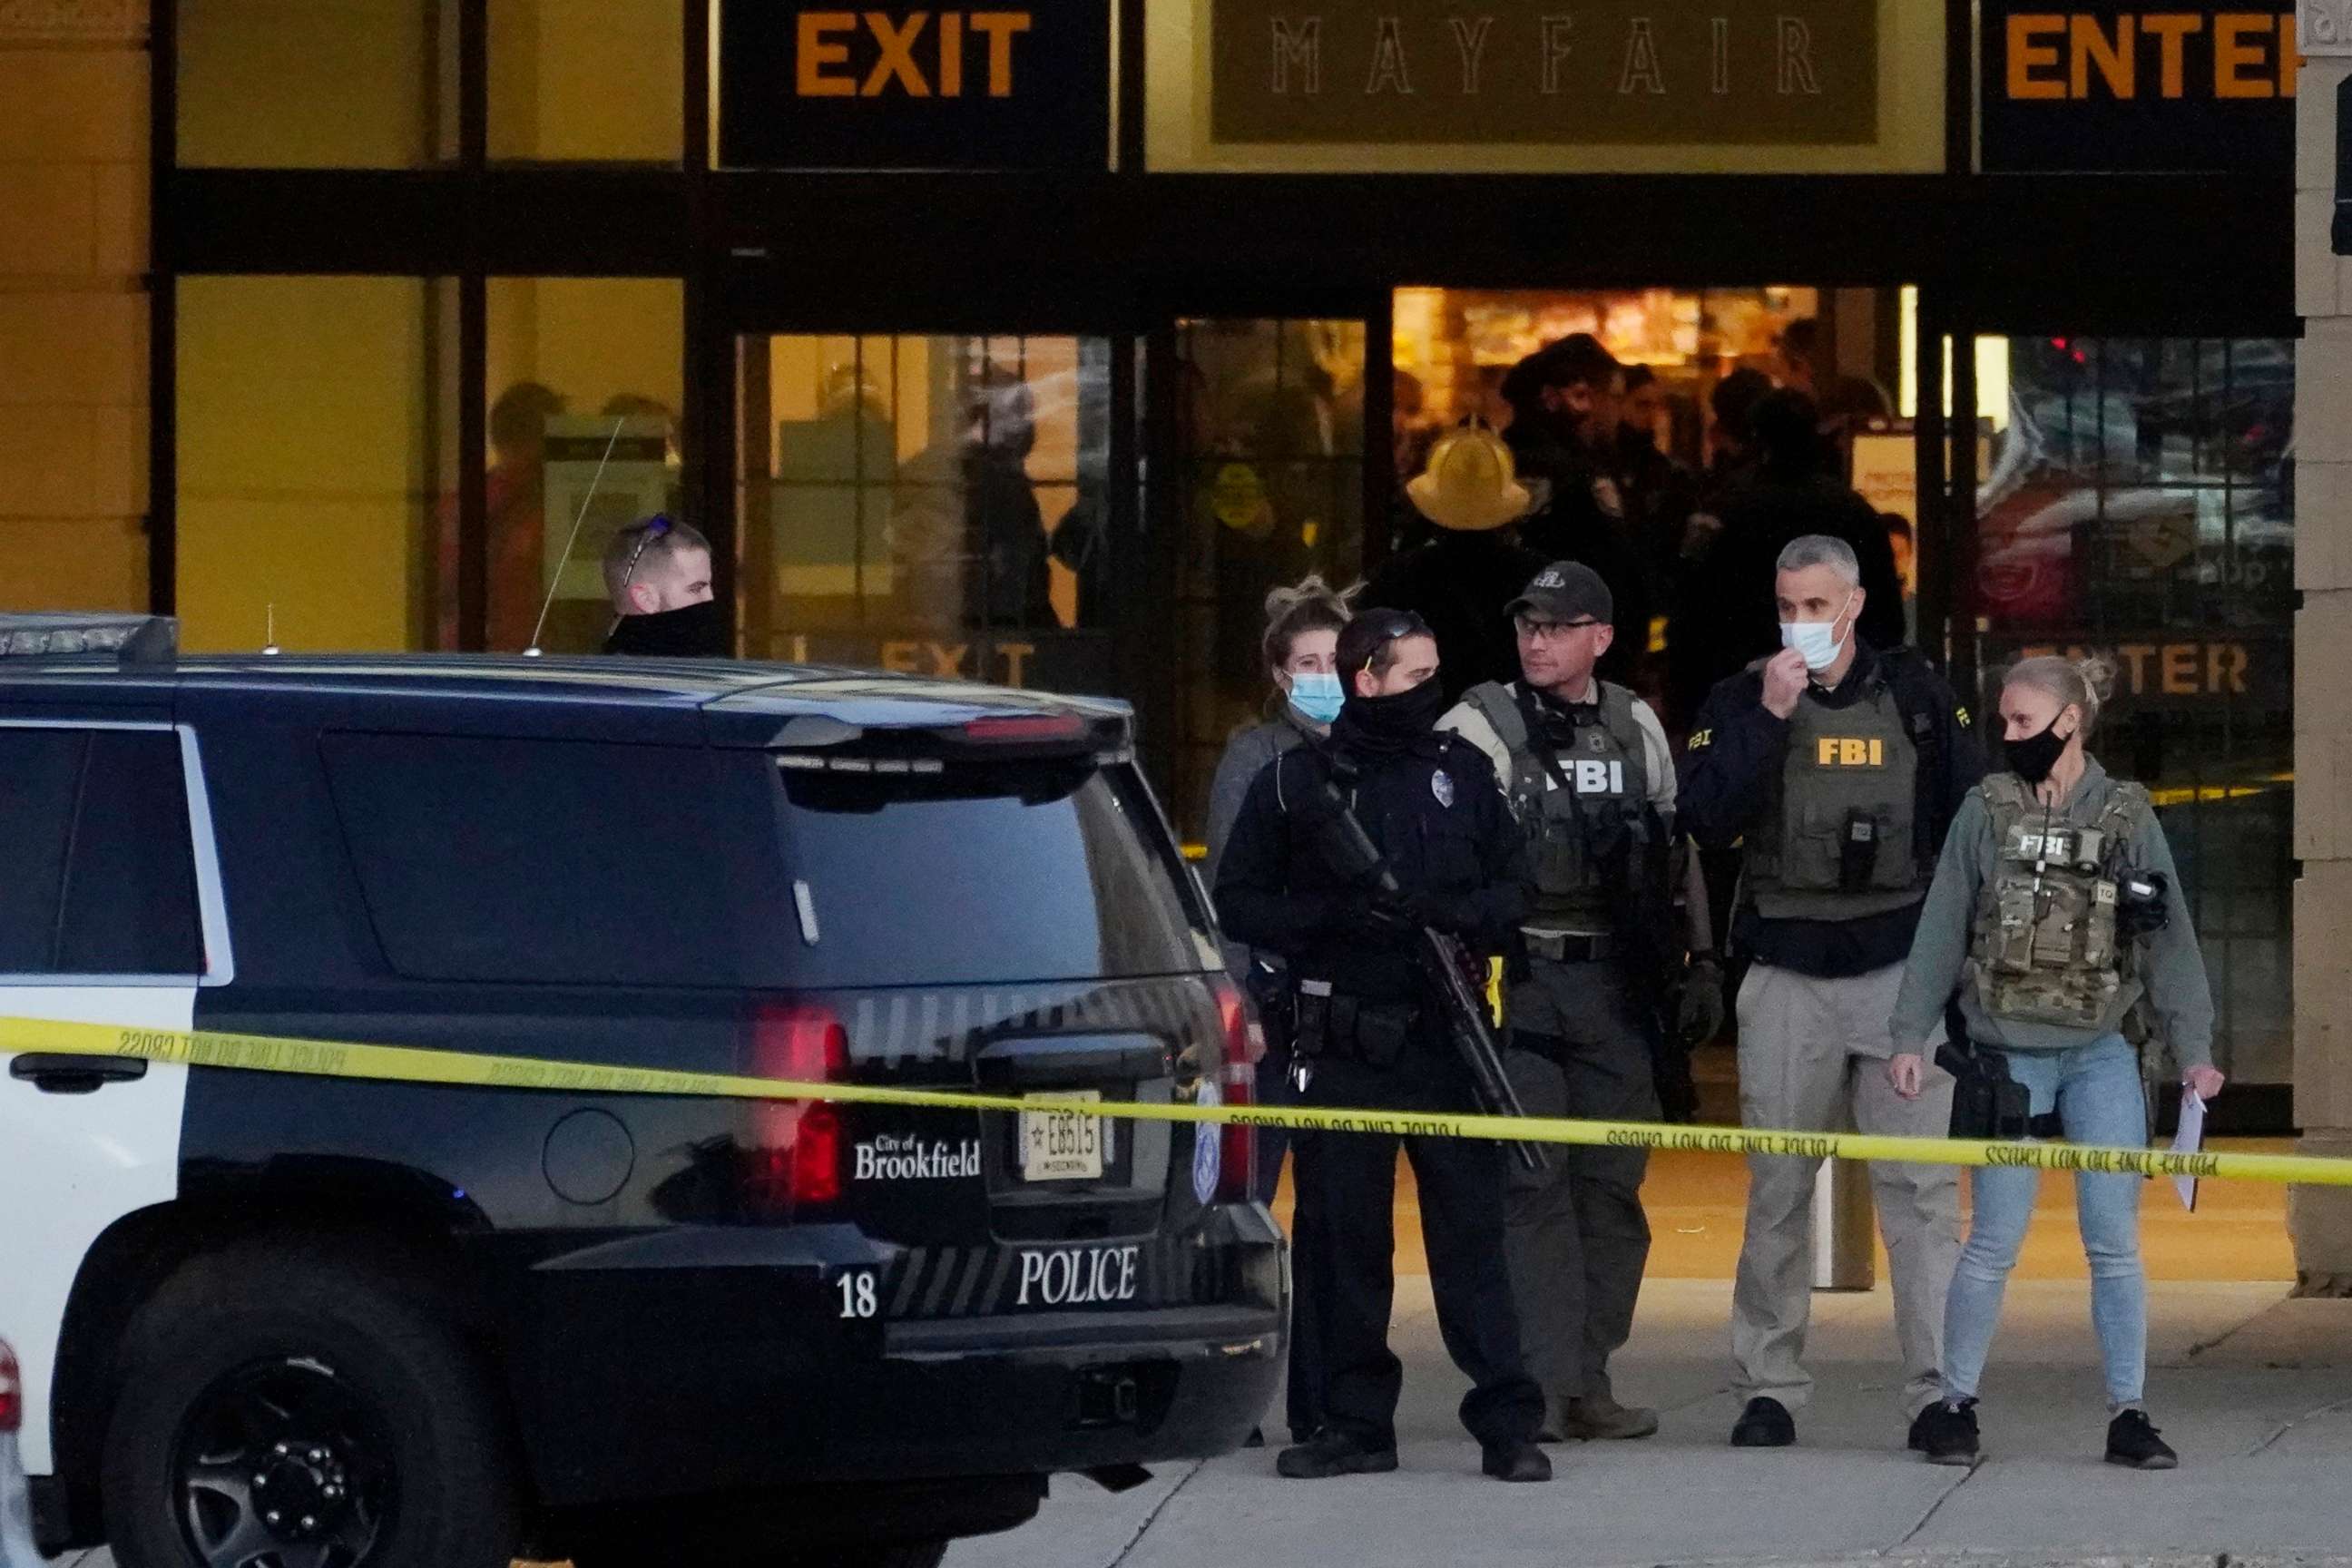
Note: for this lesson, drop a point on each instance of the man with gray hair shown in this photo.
(1838, 768)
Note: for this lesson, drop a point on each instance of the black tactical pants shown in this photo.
(1347, 1197)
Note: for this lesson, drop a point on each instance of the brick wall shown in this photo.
(73, 304)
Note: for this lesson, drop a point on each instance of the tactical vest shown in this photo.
(2044, 948)
(1839, 839)
(1582, 806)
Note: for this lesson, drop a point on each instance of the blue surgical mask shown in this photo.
(1317, 694)
(1817, 640)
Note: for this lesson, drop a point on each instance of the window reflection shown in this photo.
(2140, 505)
(935, 505)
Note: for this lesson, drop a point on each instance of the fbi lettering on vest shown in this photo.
(1851, 752)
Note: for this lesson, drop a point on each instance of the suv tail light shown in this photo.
(12, 1391)
(1244, 1046)
(794, 1159)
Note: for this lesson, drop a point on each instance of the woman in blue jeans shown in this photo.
(2055, 911)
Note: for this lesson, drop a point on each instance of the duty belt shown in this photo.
(1571, 947)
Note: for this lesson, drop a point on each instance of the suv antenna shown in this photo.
(269, 631)
(556, 584)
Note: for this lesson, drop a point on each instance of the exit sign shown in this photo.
(819, 84)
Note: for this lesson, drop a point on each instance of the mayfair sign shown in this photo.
(1624, 72)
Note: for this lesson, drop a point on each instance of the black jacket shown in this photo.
(1583, 520)
(1459, 583)
(1729, 605)
(1437, 817)
(1728, 780)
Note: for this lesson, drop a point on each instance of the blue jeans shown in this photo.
(2096, 1089)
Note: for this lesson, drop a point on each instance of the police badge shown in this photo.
(1440, 785)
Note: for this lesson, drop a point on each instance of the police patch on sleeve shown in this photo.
(1440, 785)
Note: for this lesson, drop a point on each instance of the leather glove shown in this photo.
(1699, 1016)
(1415, 911)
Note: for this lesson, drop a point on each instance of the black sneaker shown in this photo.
(1333, 1453)
(1515, 1462)
(1765, 1424)
(2133, 1443)
(1946, 1433)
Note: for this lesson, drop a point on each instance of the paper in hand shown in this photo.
(2187, 1140)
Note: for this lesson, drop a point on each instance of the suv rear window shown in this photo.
(985, 871)
(100, 875)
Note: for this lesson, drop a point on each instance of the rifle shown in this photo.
(1440, 959)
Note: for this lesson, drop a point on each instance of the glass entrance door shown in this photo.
(928, 505)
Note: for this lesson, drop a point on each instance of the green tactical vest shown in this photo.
(1586, 827)
(2044, 948)
(1838, 840)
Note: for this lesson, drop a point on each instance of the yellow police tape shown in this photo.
(410, 1064)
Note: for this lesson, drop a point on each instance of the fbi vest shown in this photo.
(2044, 949)
(1582, 805)
(1839, 839)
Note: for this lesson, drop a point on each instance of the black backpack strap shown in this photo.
(1919, 703)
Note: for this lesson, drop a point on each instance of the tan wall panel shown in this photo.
(305, 83)
(51, 220)
(73, 349)
(102, 566)
(73, 106)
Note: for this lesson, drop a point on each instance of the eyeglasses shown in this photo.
(655, 526)
(1551, 631)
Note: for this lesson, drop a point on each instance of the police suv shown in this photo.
(269, 1321)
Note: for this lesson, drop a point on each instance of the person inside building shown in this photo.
(1585, 767)
(1789, 493)
(1844, 401)
(658, 573)
(515, 517)
(1903, 544)
(1472, 566)
(1839, 766)
(1369, 1034)
(1300, 648)
(1659, 491)
(2055, 911)
(1564, 400)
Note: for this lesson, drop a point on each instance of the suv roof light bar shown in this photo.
(134, 640)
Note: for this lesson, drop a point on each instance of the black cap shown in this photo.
(1564, 592)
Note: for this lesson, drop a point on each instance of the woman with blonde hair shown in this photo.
(2055, 911)
(1301, 644)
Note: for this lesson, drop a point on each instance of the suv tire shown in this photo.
(308, 1377)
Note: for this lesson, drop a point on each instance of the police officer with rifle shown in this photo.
(1344, 860)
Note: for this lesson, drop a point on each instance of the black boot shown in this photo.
(1330, 1454)
(1765, 1424)
(2133, 1443)
(1947, 1433)
(1515, 1461)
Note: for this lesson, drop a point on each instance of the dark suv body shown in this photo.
(432, 1325)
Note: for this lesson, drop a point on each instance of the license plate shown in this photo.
(1059, 1145)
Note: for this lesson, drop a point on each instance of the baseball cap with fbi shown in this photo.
(1565, 593)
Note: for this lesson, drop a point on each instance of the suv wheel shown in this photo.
(927, 1554)
(292, 1405)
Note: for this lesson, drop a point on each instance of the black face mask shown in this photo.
(695, 631)
(1386, 723)
(2033, 758)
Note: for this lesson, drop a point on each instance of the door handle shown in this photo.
(58, 1074)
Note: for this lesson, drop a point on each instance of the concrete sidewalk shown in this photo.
(2254, 1389)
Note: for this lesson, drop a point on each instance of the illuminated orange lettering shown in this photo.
(2115, 58)
(1016, 661)
(2225, 668)
(1001, 27)
(811, 79)
(951, 53)
(2290, 55)
(948, 659)
(2026, 56)
(903, 657)
(2181, 670)
(898, 54)
(2232, 55)
(2171, 33)
(2137, 655)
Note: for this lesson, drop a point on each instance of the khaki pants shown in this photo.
(1812, 1059)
